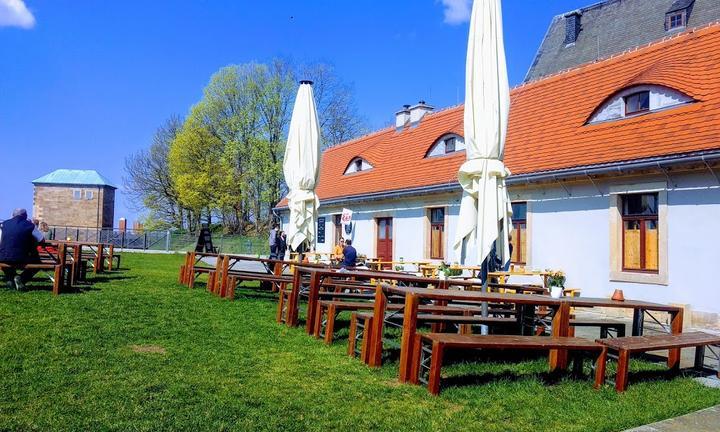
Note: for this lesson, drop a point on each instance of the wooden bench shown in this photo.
(641, 344)
(330, 308)
(362, 321)
(429, 360)
(55, 263)
(605, 326)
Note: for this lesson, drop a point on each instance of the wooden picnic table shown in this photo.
(316, 277)
(559, 311)
(503, 276)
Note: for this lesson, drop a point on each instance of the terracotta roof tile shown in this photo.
(547, 125)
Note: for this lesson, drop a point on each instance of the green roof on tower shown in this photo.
(73, 177)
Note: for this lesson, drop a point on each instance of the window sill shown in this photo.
(639, 277)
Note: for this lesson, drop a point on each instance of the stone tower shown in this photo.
(74, 198)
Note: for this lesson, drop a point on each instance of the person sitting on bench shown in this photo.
(18, 246)
(349, 255)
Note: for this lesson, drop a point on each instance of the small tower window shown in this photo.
(89, 195)
(358, 164)
(77, 194)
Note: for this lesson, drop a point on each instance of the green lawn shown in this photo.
(71, 363)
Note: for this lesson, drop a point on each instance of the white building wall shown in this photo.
(569, 230)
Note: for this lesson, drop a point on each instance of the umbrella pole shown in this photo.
(484, 330)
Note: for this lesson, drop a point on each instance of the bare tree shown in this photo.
(337, 110)
(148, 183)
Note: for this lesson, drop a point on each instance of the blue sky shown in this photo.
(85, 83)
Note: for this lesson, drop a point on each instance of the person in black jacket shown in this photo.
(281, 245)
(18, 246)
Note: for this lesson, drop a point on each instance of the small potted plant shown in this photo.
(556, 283)
(443, 270)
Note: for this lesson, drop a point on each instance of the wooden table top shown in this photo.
(436, 294)
(662, 341)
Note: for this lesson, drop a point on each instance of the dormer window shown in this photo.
(677, 16)
(638, 100)
(636, 103)
(357, 165)
(448, 144)
(675, 20)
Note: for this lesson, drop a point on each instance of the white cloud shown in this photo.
(457, 11)
(14, 13)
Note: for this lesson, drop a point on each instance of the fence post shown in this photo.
(77, 234)
(145, 245)
(167, 241)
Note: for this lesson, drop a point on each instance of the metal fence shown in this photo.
(161, 240)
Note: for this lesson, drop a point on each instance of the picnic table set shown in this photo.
(434, 315)
(66, 263)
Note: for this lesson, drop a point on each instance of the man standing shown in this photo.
(18, 246)
(349, 255)
(273, 241)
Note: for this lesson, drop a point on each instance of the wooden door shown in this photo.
(384, 239)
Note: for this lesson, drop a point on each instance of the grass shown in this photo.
(139, 352)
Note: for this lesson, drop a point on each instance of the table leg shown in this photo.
(676, 326)
(560, 328)
(291, 316)
(376, 332)
(312, 302)
(638, 322)
(408, 335)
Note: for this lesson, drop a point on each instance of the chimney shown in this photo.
(122, 224)
(572, 26)
(418, 111)
(402, 117)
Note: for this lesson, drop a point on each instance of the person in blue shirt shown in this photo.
(349, 255)
(18, 246)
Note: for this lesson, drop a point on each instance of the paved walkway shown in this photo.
(707, 420)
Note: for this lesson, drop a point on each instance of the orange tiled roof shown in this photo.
(547, 125)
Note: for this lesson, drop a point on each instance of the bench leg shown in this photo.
(416, 358)
(600, 367)
(330, 326)
(435, 368)
(319, 313)
(281, 305)
(181, 276)
(365, 347)
(58, 282)
(352, 334)
(621, 379)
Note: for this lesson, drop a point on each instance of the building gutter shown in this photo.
(618, 168)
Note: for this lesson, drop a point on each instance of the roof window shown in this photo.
(638, 100)
(357, 165)
(447, 144)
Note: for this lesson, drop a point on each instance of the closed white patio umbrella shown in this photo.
(301, 167)
(485, 208)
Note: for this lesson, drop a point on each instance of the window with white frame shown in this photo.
(357, 165)
(639, 233)
(77, 194)
(638, 100)
(447, 144)
(89, 195)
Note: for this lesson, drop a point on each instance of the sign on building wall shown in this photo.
(346, 218)
(321, 230)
